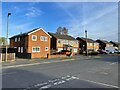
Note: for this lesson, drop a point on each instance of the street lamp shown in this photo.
(7, 35)
(86, 42)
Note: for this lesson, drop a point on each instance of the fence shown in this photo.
(10, 56)
(23, 55)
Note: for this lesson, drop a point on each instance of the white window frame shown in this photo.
(35, 37)
(21, 49)
(46, 48)
(43, 38)
(59, 40)
(16, 39)
(46, 38)
(36, 49)
(75, 50)
(66, 42)
(19, 39)
(18, 49)
(91, 44)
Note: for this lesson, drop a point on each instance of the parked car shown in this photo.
(117, 51)
(64, 52)
(102, 52)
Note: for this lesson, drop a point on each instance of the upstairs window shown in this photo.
(66, 42)
(34, 38)
(59, 41)
(19, 39)
(43, 38)
(16, 39)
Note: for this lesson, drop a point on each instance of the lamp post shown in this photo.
(86, 42)
(7, 35)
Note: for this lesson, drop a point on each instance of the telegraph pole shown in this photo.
(86, 42)
(7, 35)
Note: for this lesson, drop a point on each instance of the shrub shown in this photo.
(93, 53)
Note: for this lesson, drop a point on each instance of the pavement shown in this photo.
(84, 72)
(26, 62)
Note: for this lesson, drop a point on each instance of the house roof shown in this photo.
(28, 33)
(117, 43)
(104, 41)
(88, 39)
(59, 36)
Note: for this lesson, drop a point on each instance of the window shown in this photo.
(21, 49)
(19, 39)
(71, 42)
(59, 41)
(46, 48)
(35, 49)
(75, 50)
(43, 38)
(34, 37)
(18, 49)
(76, 42)
(16, 39)
(66, 42)
(91, 44)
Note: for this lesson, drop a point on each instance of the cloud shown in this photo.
(33, 12)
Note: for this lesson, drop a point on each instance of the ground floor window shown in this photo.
(35, 49)
(46, 48)
(75, 50)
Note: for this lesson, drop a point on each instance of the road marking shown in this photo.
(53, 82)
(104, 84)
(104, 73)
(112, 63)
(24, 65)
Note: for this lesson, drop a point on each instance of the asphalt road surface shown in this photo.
(89, 73)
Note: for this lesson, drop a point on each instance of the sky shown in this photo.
(100, 19)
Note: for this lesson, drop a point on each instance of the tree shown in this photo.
(2, 41)
(61, 30)
(65, 31)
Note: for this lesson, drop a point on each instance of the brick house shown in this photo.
(103, 44)
(36, 43)
(91, 45)
(116, 44)
(63, 42)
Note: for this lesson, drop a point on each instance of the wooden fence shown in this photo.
(10, 56)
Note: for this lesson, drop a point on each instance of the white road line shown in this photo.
(23, 65)
(104, 84)
(112, 63)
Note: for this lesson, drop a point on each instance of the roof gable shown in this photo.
(30, 32)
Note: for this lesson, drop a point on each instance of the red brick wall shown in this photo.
(39, 43)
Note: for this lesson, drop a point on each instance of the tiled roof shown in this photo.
(59, 36)
(104, 41)
(23, 34)
(88, 39)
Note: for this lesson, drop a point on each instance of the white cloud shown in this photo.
(33, 12)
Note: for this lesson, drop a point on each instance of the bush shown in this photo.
(93, 53)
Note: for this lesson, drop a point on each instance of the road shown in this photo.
(80, 73)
